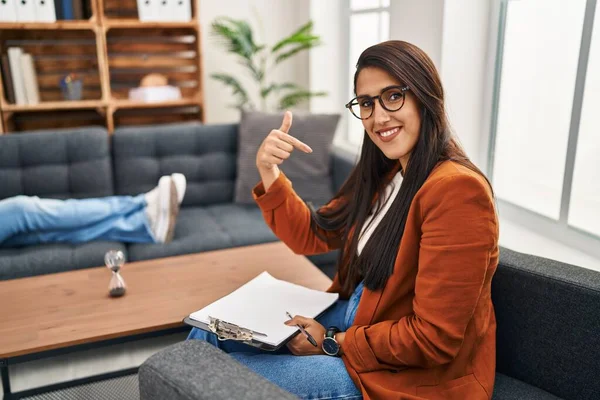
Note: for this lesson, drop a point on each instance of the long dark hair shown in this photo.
(351, 205)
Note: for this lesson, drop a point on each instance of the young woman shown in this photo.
(418, 233)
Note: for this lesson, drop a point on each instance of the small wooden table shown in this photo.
(51, 314)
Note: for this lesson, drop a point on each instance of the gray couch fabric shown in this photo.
(507, 388)
(51, 258)
(209, 228)
(547, 337)
(548, 316)
(205, 154)
(310, 173)
(64, 163)
(197, 370)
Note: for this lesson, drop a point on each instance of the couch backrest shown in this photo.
(205, 154)
(60, 163)
(548, 316)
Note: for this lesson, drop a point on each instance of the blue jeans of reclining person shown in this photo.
(308, 377)
(26, 220)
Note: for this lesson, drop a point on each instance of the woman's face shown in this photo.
(404, 124)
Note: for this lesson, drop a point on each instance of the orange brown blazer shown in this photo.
(431, 332)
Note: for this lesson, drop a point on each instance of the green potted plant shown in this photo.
(238, 38)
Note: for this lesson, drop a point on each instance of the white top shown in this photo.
(391, 191)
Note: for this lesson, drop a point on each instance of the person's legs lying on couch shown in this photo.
(145, 218)
(315, 376)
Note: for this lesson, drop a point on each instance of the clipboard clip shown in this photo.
(226, 330)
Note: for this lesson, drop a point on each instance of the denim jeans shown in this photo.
(308, 377)
(31, 220)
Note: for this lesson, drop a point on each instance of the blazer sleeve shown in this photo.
(289, 218)
(459, 232)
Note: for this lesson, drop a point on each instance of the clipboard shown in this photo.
(255, 313)
(228, 331)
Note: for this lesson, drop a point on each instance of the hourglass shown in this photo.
(114, 260)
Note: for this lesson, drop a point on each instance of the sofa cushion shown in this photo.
(548, 324)
(51, 258)
(244, 224)
(310, 173)
(209, 228)
(205, 154)
(507, 388)
(62, 163)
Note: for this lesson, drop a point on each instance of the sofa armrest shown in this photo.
(194, 369)
(342, 162)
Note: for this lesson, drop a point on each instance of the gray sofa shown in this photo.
(87, 162)
(548, 343)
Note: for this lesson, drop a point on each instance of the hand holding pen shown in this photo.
(308, 335)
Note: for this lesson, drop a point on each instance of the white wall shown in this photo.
(464, 51)
(420, 23)
(327, 64)
(278, 19)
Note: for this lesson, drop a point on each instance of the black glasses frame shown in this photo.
(354, 101)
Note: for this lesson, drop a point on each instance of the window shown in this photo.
(543, 151)
(369, 24)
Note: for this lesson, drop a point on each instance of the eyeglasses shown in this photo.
(391, 99)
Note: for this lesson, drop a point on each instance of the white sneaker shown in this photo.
(153, 202)
(162, 209)
(180, 184)
(169, 212)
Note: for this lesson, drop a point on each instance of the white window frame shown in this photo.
(347, 84)
(559, 230)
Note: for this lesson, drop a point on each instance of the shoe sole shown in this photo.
(164, 205)
(173, 212)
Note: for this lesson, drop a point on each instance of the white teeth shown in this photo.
(390, 132)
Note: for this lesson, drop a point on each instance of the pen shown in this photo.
(308, 335)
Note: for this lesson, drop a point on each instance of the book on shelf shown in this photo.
(164, 10)
(32, 91)
(44, 11)
(8, 11)
(72, 9)
(22, 75)
(14, 59)
(27, 11)
(9, 91)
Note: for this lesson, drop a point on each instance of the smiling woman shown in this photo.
(417, 231)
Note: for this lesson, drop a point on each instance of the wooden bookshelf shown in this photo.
(111, 51)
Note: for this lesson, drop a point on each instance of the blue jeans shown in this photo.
(30, 220)
(308, 377)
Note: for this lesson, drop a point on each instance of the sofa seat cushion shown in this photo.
(507, 388)
(218, 227)
(243, 223)
(208, 228)
(50, 258)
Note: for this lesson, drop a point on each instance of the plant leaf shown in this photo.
(303, 46)
(254, 70)
(303, 31)
(276, 87)
(295, 98)
(237, 36)
(237, 89)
